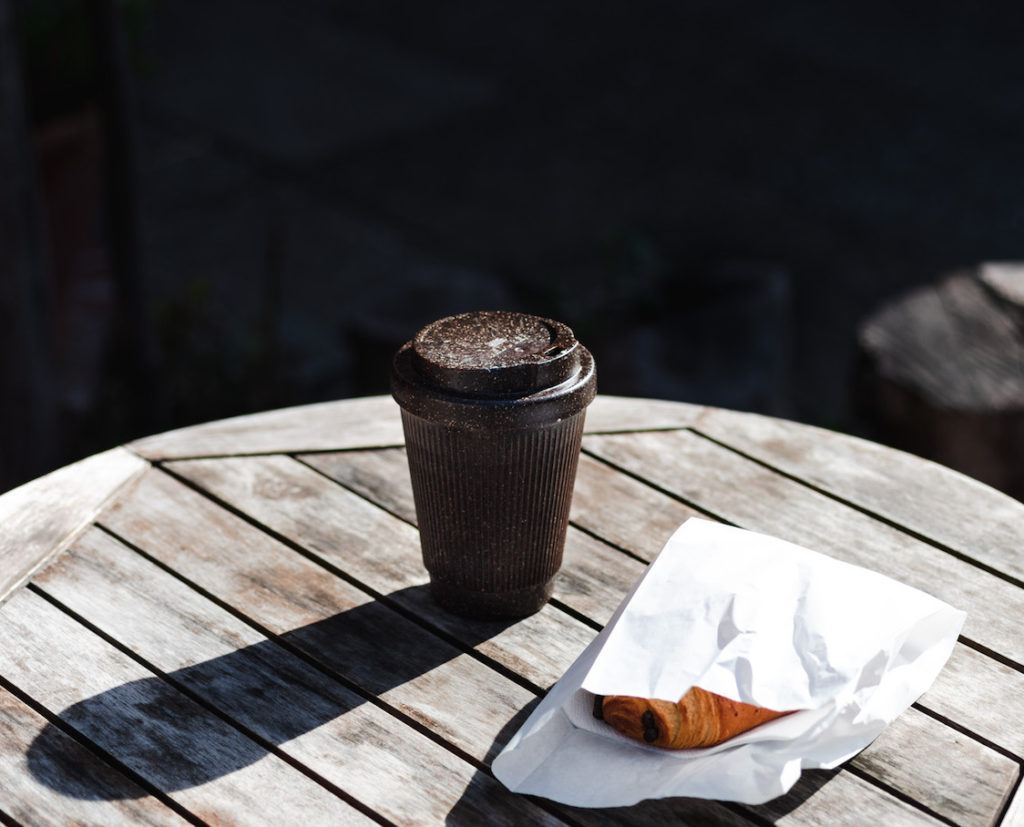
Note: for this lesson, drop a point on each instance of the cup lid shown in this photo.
(495, 353)
(493, 369)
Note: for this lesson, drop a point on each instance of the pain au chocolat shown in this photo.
(698, 719)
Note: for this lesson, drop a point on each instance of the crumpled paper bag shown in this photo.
(755, 619)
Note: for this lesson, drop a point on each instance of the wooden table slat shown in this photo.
(860, 805)
(323, 616)
(356, 745)
(951, 773)
(626, 413)
(807, 804)
(594, 576)
(42, 516)
(929, 499)
(981, 695)
(354, 536)
(642, 519)
(973, 690)
(383, 477)
(336, 624)
(151, 728)
(98, 794)
(734, 488)
(286, 662)
(369, 422)
(916, 755)
(351, 423)
(321, 519)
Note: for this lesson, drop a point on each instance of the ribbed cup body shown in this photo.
(493, 508)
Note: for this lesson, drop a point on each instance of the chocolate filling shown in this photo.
(650, 729)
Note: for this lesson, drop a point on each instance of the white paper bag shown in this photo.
(752, 618)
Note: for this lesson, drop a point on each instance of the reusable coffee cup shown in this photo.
(493, 405)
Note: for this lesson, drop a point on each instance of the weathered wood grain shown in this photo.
(97, 794)
(624, 511)
(351, 423)
(982, 695)
(916, 755)
(743, 492)
(953, 775)
(381, 476)
(335, 523)
(369, 422)
(449, 692)
(594, 577)
(859, 804)
(151, 728)
(823, 799)
(327, 618)
(515, 652)
(42, 516)
(374, 757)
(973, 690)
(929, 499)
(361, 539)
(627, 413)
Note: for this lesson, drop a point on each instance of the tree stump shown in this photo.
(942, 374)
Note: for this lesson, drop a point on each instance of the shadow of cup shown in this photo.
(205, 721)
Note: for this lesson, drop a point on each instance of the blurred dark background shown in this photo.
(218, 207)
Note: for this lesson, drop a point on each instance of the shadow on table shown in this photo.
(172, 741)
(660, 811)
(175, 743)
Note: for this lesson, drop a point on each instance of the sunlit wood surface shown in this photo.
(230, 623)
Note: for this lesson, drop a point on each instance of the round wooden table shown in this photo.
(229, 623)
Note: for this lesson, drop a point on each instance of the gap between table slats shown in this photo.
(657, 512)
(367, 422)
(225, 556)
(275, 475)
(886, 482)
(829, 492)
(381, 476)
(643, 517)
(166, 737)
(707, 476)
(27, 799)
(276, 699)
(41, 517)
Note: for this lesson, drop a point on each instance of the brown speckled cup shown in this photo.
(493, 406)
